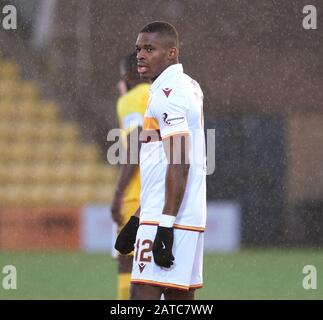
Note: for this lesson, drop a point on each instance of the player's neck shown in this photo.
(171, 64)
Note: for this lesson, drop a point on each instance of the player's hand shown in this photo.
(162, 247)
(127, 236)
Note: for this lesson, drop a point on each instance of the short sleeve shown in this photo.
(172, 115)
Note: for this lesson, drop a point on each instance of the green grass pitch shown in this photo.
(247, 274)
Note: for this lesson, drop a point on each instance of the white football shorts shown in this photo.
(184, 274)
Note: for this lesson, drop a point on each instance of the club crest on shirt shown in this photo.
(173, 119)
(167, 91)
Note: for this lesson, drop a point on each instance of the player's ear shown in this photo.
(173, 53)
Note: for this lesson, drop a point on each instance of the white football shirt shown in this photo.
(175, 107)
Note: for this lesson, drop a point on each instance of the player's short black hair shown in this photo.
(163, 28)
(129, 62)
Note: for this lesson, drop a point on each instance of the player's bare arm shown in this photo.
(128, 171)
(177, 149)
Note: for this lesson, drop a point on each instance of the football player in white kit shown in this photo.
(167, 229)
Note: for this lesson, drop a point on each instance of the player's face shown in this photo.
(153, 55)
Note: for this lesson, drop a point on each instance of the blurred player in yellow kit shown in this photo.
(131, 107)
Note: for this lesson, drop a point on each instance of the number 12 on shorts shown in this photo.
(143, 249)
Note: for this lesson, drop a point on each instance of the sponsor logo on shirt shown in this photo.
(172, 119)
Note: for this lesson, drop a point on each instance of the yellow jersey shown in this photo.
(131, 108)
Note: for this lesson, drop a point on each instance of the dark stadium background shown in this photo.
(261, 73)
